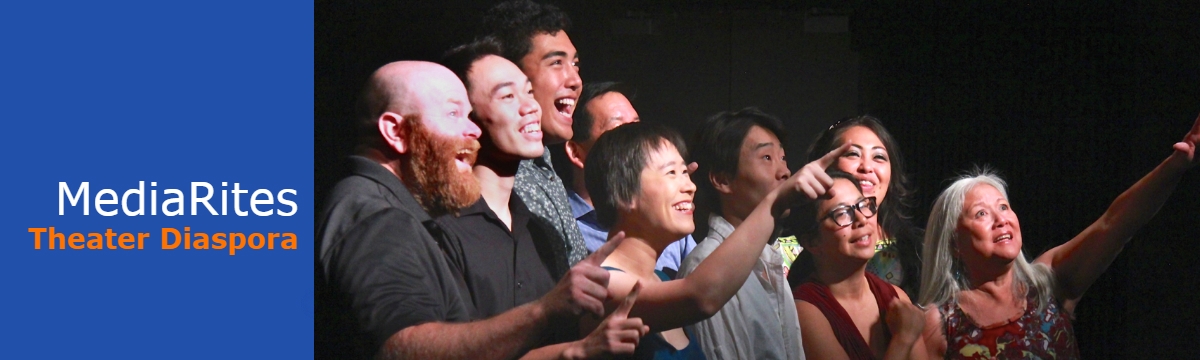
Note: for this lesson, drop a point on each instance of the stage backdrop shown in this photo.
(1072, 101)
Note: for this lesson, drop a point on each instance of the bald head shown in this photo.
(413, 89)
(398, 87)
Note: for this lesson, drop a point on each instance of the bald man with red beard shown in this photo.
(384, 288)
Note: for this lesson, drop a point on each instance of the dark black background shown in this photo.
(1072, 102)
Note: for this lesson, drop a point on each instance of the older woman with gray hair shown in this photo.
(985, 300)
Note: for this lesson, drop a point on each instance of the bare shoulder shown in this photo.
(902, 295)
(619, 285)
(811, 316)
(816, 334)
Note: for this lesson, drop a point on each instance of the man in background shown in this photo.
(603, 106)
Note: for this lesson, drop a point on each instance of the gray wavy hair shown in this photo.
(941, 272)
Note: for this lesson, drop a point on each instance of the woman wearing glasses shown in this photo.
(875, 161)
(845, 311)
(985, 301)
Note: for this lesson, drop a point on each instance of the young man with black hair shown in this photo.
(502, 254)
(534, 37)
(741, 160)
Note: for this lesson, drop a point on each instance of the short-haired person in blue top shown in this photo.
(602, 107)
(639, 176)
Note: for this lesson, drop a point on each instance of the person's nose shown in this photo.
(574, 82)
(1000, 220)
(529, 105)
(781, 170)
(689, 187)
(471, 130)
(865, 167)
(859, 220)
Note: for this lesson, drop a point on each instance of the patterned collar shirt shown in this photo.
(544, 194)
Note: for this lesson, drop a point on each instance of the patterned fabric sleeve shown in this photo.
(544, 194)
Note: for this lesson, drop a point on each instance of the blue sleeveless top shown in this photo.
(654, 347)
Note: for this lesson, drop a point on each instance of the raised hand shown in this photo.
(810, 181)
(585, 286)
(1187, 147)
(905, 321)
(618, 334)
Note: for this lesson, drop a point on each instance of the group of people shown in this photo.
(500, 207)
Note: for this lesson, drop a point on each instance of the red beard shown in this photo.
(431, 174)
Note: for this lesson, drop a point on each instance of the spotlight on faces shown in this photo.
(868, 160)
(608, 112)
(667, 191)
(856, 240)
(444, 107)
(502, 97)
(988, 229)
(553, 66)
(762, 166)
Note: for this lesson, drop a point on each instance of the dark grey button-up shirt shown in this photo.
(546, 197)
(380, 268)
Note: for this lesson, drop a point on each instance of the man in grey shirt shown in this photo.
(534, 37)
(741, 159)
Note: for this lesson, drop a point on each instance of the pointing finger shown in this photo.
(598, 257)
(831, 157)
(623, 310)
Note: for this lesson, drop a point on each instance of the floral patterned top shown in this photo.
(788, 247)
(886, 263)
(1033, 335)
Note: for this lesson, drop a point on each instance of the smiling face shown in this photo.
(553, 66)
(608, 111)
(988, 230)
(868, 160)
(443, 105)
(854, 241)
(664, 202)
(505, 108)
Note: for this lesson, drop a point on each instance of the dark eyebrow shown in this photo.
(872, 148)
(500, 86)
(667, 165)
(553, 54)
(763, 145)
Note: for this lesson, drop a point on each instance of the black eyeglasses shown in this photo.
(844, 215)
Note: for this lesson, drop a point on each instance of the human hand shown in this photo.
(1187, 147)
(585, 286)
(810, 181)
(618, 334)
(905, 321)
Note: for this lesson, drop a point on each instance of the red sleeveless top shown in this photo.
(843, 326)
